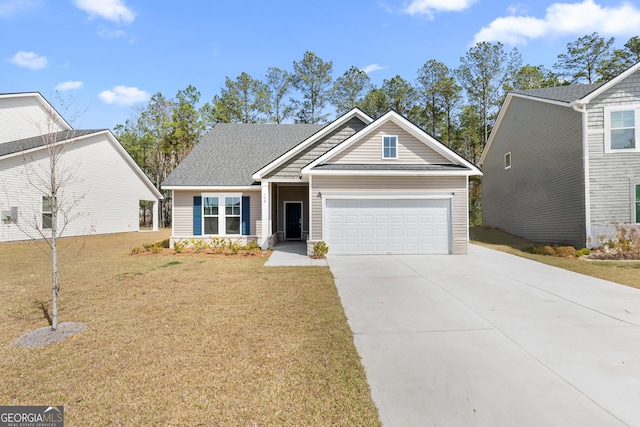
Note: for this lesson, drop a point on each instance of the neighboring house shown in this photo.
(104, 185)
(562, 165)
(363, 186)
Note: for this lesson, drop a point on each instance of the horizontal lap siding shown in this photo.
(391, 185)
(541, 197)
(369, 149)
(24, 117)
(183, 212)
(105, 190)
(290, 171)
(611, 174)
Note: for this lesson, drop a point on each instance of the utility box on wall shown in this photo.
(10, 216)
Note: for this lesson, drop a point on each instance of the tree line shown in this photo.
(456, 106)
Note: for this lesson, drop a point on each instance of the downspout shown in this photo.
(582, 108)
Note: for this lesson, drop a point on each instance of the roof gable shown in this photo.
(26, 115)
(333, 126)
(396, 121)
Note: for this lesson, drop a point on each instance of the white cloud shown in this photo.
(429, 7)
(70, 85)
(106, 33)
(562, 19)
(29, 60)
(124, 95)
(111, 10)
(371, 68)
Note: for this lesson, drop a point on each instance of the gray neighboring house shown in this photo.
(361, 185)
(562, 164)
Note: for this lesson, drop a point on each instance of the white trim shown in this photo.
(50, 111)
(211, 188)
(313, 138)
(301, 218)
(222, 215)
(334, 172)
(310, 193)
(404, 124)
(395, 148)
(265, 216)
(387, 196)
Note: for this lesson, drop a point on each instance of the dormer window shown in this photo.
(389, 147)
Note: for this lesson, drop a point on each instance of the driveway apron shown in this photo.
(491, 339)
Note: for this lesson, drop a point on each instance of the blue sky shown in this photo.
(105, 57)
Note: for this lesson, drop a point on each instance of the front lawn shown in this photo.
(177, 340)
(623, 272)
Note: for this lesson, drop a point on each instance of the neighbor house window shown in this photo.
(620, 130)
(232, 215)
(507, 160)
(636, 204)
(210, 214)
(47, 212)
(389, 147)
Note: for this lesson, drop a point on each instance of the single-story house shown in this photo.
(101, 186)
(362, 186)
(562, 164)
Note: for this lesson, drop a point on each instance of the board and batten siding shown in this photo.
(611, 175)
(393, 185)
(541, 196)
(290, 170)
(182, 219)
(368, 150)
(105, 189)
(25, 117)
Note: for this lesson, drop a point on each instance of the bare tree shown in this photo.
(47, 173)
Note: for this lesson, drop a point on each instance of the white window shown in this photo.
(221, 214)
(47, 212)
(507, 160)
(621, 132)
(389, 147)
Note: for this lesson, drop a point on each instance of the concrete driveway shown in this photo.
(491, 339)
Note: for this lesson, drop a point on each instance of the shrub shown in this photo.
(179, 246)
(565, 251)
(234, 245)
(199, 245)
(136, 250)
(582, 252)
(154, 247)
(320, 249)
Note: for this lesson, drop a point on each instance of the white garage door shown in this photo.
(416, 226)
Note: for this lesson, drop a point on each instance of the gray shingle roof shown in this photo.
(230, 153)
(561, 93)
(12, 147)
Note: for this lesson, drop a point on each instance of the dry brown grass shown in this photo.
(178, 340)
(623, 272)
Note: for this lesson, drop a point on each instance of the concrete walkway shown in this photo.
(292, 254)
(491, 339)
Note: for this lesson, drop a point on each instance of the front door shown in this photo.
(293, 220)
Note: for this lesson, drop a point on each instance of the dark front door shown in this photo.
(293, 220)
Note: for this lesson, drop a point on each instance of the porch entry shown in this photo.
(293, 220)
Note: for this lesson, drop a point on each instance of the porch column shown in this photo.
(266, 215)
(154, 211)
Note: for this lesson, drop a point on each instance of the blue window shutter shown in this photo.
(246, 215)
(197, 215)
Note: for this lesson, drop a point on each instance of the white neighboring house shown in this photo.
(105, 185)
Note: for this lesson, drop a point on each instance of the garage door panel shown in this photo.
(388, 226)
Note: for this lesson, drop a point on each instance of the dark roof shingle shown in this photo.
(232, 152)
(12, 147)
(561, 93)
